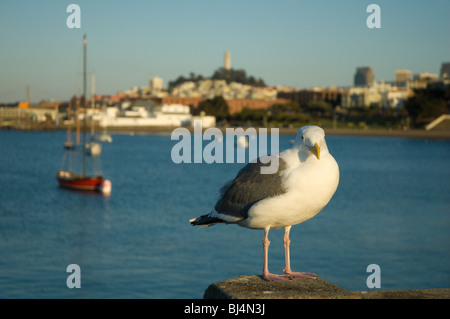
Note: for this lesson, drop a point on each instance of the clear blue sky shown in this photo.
(285, 42)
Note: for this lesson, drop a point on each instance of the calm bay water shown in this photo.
(392, 208)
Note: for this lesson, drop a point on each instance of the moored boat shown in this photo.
(70, 178)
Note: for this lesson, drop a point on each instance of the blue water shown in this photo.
(392, 208)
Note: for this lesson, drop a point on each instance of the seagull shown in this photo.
(306, 180)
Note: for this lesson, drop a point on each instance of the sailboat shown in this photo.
(71, 179)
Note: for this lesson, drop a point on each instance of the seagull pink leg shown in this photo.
(287, 268)
(266, 274)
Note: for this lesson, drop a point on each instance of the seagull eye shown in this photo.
(303, 138)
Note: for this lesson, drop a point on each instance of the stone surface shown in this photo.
(254, 287)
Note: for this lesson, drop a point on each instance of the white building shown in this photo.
(146, 114)
(156, 84)
(402, 77)
(380, 94)
(361, 97)
(397, 96)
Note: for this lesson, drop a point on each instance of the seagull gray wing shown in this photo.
(249, 187)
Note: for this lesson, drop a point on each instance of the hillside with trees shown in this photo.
(239, 76)
(232, 75)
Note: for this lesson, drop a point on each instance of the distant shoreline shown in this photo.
(410, 133)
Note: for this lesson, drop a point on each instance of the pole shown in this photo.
(28, 95)
(77, 116)
(84, 104)
(92, 103)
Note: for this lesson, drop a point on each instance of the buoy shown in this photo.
(106, 187)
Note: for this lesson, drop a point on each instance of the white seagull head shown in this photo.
(311, 139)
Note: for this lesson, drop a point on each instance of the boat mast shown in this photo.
(84, 104)
(77, 116)
(92, 104)
(69, 131)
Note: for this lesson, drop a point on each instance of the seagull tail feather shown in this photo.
(205, 221)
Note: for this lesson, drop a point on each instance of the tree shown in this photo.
(426, 105)
(288, 108)
(181, 79)
(319, 108)
(239, 76)
(217, 106)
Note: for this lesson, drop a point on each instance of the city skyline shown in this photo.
(292, 43)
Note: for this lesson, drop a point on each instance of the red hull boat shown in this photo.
(71, 180)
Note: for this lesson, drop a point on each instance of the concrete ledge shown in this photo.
(254, 287)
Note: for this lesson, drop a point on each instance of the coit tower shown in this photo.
(227, 64)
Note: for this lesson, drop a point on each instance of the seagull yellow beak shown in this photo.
(315, 150)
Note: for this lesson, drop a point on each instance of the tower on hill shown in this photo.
(227, 62)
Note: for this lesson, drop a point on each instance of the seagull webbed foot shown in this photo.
(275, 277)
